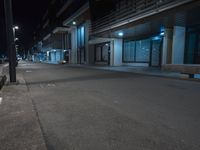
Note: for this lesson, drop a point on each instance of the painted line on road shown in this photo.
(28, 71)
(51, 85)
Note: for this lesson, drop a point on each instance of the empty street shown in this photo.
(90, 109)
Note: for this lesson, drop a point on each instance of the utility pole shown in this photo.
(10, 39)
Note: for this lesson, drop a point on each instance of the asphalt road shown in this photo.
(88, 109)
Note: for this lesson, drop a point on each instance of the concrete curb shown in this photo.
(3, 77)
(2, 81)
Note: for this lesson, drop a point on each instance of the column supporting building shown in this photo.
(178, 46)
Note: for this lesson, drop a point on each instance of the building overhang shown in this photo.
(46, 37)
(65, 6)
(145, 16)
(98, 40)
(79, 12)
(60, 29)
(56, 30)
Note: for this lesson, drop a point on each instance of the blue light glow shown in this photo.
(156, 38)
(162, 33)
(121, 34)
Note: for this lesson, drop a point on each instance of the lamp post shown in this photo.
(10, 39)
(15, 38)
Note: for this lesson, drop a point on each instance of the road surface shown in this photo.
(89, 109)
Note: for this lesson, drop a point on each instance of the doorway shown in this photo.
(102, 54)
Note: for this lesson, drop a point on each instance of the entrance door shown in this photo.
(156, 52)
(102, 54)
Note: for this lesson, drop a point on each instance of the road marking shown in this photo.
(51, 85)
(1, 100)
(28, 71)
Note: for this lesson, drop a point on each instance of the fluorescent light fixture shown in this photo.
(121, 34)
(16, 27)
(162, 33)
(107, 44)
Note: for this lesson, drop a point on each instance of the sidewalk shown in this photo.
(142, 70)
(152, 71)
(19, 124)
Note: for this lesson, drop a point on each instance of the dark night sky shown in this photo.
(26, 14)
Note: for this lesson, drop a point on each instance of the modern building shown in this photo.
(151, 33)
(148, 33)
(79, 24)
(55, 35)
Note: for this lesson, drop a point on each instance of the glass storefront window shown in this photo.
(129, 51)
(192, 50)
(81, 44)
(143, 50)
(137, 51)
(81, 36)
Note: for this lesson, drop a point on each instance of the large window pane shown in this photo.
(82, 30)
(78, 37)
(129, 51)
(143, 50)
(81, 36)
(189, 57)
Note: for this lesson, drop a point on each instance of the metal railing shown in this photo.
(130, 9)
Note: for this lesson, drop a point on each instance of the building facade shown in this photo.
(151, 33)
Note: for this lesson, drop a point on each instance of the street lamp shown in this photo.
(14, 30)
(16, 39)
(16, 27)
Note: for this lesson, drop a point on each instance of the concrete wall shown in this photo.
(167, 46)
(178, 46)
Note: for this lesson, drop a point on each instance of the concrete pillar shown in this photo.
(178, 46)
(117, 56)
(73, 53)
(167, 46)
